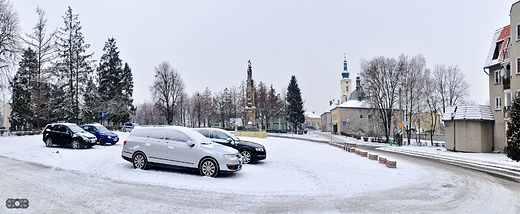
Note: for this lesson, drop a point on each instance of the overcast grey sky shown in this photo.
(209, 42)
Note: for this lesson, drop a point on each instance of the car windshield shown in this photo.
(75, 128)
(102, 129)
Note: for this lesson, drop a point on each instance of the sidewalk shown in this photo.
(493, 163)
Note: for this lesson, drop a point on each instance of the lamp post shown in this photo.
(198, 109)
(454, 128)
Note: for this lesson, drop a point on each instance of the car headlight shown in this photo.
(259, 149)
(231, 157)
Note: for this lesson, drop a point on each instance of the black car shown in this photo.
(251, 152)
(68, 134)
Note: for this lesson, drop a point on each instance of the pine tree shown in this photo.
(512, 149)
(295, 104)
(127, 85)
(74, 66)
(91, 109)
(44, 47)
(22, 103)
(110, 74)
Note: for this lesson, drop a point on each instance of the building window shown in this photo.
(517, 32)
(518, 65)
(497, 77)
(498, 103)
(498, 47)
(369, 116)
(361, 116)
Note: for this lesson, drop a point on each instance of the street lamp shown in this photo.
(454, 127)
(198, 109)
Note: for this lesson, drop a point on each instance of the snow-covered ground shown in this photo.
(298, 176)
(498, 158)
(292, 167)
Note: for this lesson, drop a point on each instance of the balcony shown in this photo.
(506, 82)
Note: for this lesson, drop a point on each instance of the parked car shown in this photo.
(251, 152)
(179, 147)
(102, 134)
(68, 134)
(127, 127)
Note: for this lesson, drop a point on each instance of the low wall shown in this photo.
(258, 134)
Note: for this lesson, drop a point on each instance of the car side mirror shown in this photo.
(190, 143)
(229, 140)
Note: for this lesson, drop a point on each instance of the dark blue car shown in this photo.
(103, 135)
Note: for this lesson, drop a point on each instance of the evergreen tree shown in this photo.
(74, 66)
(91, 109)
(110, 73)
(295, 111)
(127, 85)
(272, 105)
(512, 149)
(44, 47)
(22, 105)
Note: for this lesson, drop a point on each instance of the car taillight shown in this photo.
(124, 142)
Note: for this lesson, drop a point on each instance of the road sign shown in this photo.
(102, 114)
(400, 125)
(344, 124)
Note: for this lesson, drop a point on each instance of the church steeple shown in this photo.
(345, 73)
(346, 84)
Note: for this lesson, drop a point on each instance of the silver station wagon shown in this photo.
(180, 147)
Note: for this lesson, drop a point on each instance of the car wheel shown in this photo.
(208, 167)
(139, 160)
(246, 156)
(48, 142)
(75, 144)
(102, 141)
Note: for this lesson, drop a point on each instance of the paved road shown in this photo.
(448, 189)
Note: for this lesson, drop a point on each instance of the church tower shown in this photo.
(346, 83)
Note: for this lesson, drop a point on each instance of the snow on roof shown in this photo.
(501, 34)
(478, 112)
(354, 104)
(311, 115)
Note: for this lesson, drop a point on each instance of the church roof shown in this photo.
(354, 104)
(356, 94)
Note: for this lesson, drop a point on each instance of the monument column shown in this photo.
(250, 97)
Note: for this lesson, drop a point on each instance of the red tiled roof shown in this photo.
(501, 34)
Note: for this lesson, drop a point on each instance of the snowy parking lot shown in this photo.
(292, 167)
(298, 176)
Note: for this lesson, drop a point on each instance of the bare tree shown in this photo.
(9, 42)
(381, 77)
(412, 69)
(451, 85)
(261, 103)
(44, 46)
(166, 90)
(147, 114)
(432, 101)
